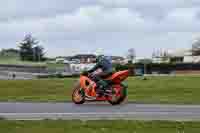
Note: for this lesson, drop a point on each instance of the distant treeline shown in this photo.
(9, 52)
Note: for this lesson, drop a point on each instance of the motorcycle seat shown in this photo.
(108, 76)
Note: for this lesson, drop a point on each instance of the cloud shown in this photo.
(22, 9)
(86, 25)
(155, 9)
(150, 3)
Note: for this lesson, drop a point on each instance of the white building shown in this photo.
(60, 59)
(186, 55)
(160, 56)
(179, 56)
(80, 67)
(191, 59)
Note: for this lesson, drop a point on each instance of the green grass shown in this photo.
(17, 61)
(55, 65)
(172, 90)
(36, 90)
(98, 127)
(179, 90)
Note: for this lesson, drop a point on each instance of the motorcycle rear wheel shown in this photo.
(116, 100)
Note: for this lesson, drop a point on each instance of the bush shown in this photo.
(119, 67)
(58, 76)
(130, 67)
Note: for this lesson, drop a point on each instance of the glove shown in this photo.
(85, 73)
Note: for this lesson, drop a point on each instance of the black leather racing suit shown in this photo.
(106, 66)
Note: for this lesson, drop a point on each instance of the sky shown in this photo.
(67, 27)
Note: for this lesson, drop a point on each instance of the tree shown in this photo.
(26, 48)
(30, 50)
(38, 52)
(196, 47)
(131, 55)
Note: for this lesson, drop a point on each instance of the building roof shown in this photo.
(84, 56)
(117, 58)
(180, 53)
(81, 56)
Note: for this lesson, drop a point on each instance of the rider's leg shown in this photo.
(100, 82)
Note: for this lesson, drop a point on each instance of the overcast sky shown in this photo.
(66, 27)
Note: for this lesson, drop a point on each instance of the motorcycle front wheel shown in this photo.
(78, 94)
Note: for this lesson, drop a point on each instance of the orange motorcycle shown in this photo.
(86, 89)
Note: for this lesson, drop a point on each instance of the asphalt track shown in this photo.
(92, 111)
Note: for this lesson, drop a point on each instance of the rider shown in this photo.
(105, 66)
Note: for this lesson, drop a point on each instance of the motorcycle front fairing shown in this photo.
(88, 85)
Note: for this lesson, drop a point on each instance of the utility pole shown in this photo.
(39, 57)
(145, 71)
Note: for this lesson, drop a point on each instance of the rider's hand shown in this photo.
(85, 73)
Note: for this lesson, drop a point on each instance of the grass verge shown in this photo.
(172, 90)
(17, 61)
(119, 126)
